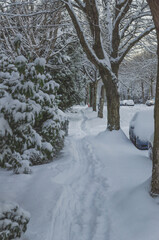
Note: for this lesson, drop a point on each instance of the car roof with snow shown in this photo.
(143, 123)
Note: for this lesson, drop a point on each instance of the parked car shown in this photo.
(141, 128)
(121, 103)
(129, 102)
(150, 102)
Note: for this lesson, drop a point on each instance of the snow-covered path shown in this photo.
(96, 190)
(66, 198)
(81, 210)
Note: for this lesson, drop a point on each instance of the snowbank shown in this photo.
(98, 189)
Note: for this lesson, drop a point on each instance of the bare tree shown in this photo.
(107, 33)
(92, 73)
(138, 74)
(154, 6)
(34, 24)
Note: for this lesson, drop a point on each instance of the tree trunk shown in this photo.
(155, 170)
(143, 95)
(128, 93)
(87, 95)
(101, 103)
(154, 6)
(113, 103)
(151, 87)
(91, 95)
(94, 96)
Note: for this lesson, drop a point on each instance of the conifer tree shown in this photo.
(33, 128)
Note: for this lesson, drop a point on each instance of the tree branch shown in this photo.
(91, 56)
(133, 42)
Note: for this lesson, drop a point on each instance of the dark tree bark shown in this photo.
(91, 94)
(155, 169)
(101, 103)
(151, 87)
(87, 96)
(113, 101)
(143, 93)
(154, 6)
(128, 93)
(95, 96)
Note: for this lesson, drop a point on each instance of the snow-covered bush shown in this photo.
(13, 221)
(32, 128)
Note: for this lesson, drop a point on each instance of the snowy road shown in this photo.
(96, 190)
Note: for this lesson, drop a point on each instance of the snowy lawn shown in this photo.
(98, 188)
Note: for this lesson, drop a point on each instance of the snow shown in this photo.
(18, 37)
(13, 220)
(4, 126)
(20, 59)
(144, 124)
(8, 207)
(40, 61)
(98, 188)
(128, 102)
(48, 146)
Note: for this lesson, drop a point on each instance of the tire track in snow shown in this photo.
(81, 212)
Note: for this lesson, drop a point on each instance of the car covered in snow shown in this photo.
(141, 128)
(121, 103)
(129, 102)
(150, 102)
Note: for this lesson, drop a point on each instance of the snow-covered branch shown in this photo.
(90, 54)
(121, 11)
(139, 15)
(123, 52)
